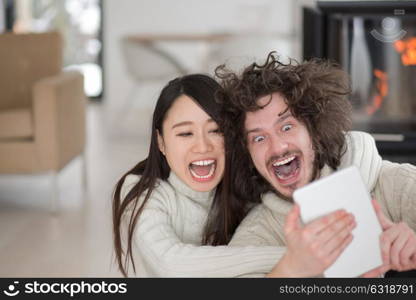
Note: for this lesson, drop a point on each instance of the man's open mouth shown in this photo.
(286, 169)
(203, 170)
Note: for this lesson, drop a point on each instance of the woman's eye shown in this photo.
(184, 134)
(258, 138)
(287, 127)
(215, 130)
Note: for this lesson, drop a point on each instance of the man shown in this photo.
(287, 125)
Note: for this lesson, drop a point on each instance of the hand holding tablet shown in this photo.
(345, 190)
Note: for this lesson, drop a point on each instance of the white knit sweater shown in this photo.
(264, 224)
(393, 186)
(167, 239)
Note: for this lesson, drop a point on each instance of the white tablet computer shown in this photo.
(345, 189)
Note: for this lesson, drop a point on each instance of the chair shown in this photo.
(147, 62)
(239, 51)
(42, 108)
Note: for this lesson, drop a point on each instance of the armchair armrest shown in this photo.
(59, 106)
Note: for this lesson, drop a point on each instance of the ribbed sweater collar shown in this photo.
(204, 198)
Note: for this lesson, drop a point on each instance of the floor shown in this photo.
(77, 240)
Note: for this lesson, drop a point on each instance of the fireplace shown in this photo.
(375, 41)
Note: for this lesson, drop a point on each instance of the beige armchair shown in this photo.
(42, 108)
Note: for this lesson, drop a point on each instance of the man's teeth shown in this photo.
(211, 172)
(203, 162)
(280, 176)
(283, 162)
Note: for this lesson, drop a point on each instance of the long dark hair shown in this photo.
(202, 89)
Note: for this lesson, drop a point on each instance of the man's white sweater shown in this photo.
(393, 186)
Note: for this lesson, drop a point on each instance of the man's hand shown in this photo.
(377, 272)
(398, 242)
(313, 248)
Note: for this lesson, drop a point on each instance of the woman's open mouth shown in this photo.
(203, 170)
(287, 170)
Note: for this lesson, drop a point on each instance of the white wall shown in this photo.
(2, 16)
(186, 16)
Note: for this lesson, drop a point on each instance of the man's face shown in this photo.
(279, 145)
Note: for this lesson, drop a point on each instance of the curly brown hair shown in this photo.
(316, 94)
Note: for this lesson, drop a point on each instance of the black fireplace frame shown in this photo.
(400, 147)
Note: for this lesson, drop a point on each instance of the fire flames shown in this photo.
(407, 48)
(381, 91)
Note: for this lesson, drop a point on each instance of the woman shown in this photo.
(164, 208)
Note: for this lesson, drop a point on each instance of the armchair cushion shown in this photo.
(16, 124)
(24, 59)
(58, 127)
(59, 106)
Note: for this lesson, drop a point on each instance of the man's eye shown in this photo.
(184, 134)
(258, 138)
(286, 127)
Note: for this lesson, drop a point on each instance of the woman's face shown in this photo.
(192, 145)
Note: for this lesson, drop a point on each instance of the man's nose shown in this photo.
(278, 145)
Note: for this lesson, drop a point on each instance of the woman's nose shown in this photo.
(202, 144)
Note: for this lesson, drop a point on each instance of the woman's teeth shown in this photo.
(203, 163)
